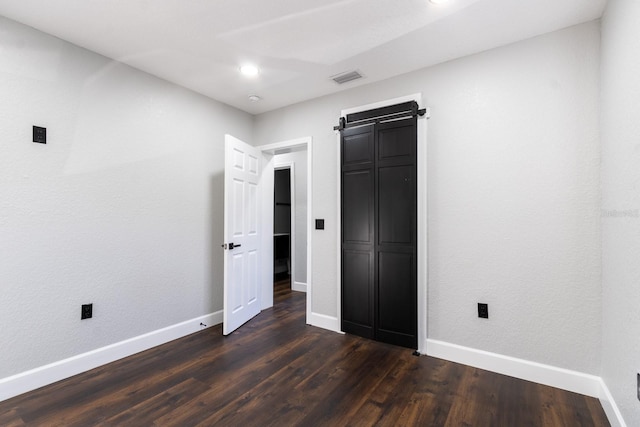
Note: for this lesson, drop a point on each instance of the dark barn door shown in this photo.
(379, 231)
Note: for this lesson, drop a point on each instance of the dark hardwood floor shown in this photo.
(276, 370)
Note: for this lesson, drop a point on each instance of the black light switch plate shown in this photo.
(483, 310)
(39, 135)
(319, 224)
(87, 311)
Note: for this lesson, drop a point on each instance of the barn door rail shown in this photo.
(381, 115)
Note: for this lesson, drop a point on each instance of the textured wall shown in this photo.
(514, 201)
(121, 208)
(621, 203)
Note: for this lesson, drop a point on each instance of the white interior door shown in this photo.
(241, 234)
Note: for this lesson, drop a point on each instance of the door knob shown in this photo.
(230, 245)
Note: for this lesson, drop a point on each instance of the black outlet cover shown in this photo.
(319, 224)
(87, 311)
(483, 310)
(39, 135)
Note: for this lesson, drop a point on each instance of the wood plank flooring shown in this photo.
(277, 371)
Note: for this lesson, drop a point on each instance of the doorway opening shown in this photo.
(287, 251)
(283, 223)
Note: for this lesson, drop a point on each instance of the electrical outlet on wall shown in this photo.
(39, 134)
(483, 310)
(87, 311)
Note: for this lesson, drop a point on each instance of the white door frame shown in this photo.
(268, 151)
(422, 214)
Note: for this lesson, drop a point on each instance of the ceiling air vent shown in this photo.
(346, 77)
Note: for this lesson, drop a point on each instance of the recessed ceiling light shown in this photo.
(249, 70)
(254, 98)
(438, 1)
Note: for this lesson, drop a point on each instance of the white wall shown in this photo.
(621, 203)
(514, 202)
(299, 160)
(121, 208)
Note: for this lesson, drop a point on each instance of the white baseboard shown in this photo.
(324, 322)
(299, 286)
(48, 374)
(578, 382)
(565, 379)
(610, 408)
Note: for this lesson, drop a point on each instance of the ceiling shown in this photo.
(297, 44)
